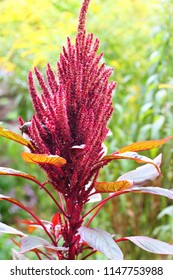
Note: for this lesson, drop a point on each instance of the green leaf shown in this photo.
(101, 241)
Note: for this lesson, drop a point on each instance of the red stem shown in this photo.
(93, 252)
(35, 217)
(121, 239)
(56, 202)
(101, 204)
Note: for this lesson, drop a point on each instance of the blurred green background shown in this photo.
(136, 37)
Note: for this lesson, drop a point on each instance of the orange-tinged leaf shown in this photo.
(13, 172)
(44, 159)
(145, 145)
(132, 156)
(107, 187)
(15, 137)
(31, 229)
(32, 226)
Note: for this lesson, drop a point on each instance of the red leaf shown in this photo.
(56, 219)
(28, 222)
(44, 159)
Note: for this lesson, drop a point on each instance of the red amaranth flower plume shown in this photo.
(72, 112)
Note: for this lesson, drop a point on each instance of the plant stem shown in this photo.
(101, 204)
(56, 202)
(91, 253)
(35, 217)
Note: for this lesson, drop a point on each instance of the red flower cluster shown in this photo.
(72, 112)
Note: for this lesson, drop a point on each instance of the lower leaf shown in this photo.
(101, 241)
(31, 243)
(9, 230)
(151, 245)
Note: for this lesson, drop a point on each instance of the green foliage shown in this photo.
(136, 39)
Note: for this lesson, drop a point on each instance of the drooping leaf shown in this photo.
(150, 190)
(31, 243)
(13, 172)
(44, 159)
(9, 230)
(132, 156)
(18, 256)
(145, 145)
(52, 248)
(12, 200)
(154, 190)
(143, 174)
(32, 226)
(151, 245)
(101, 241)
(15, 137)
(107, 187)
